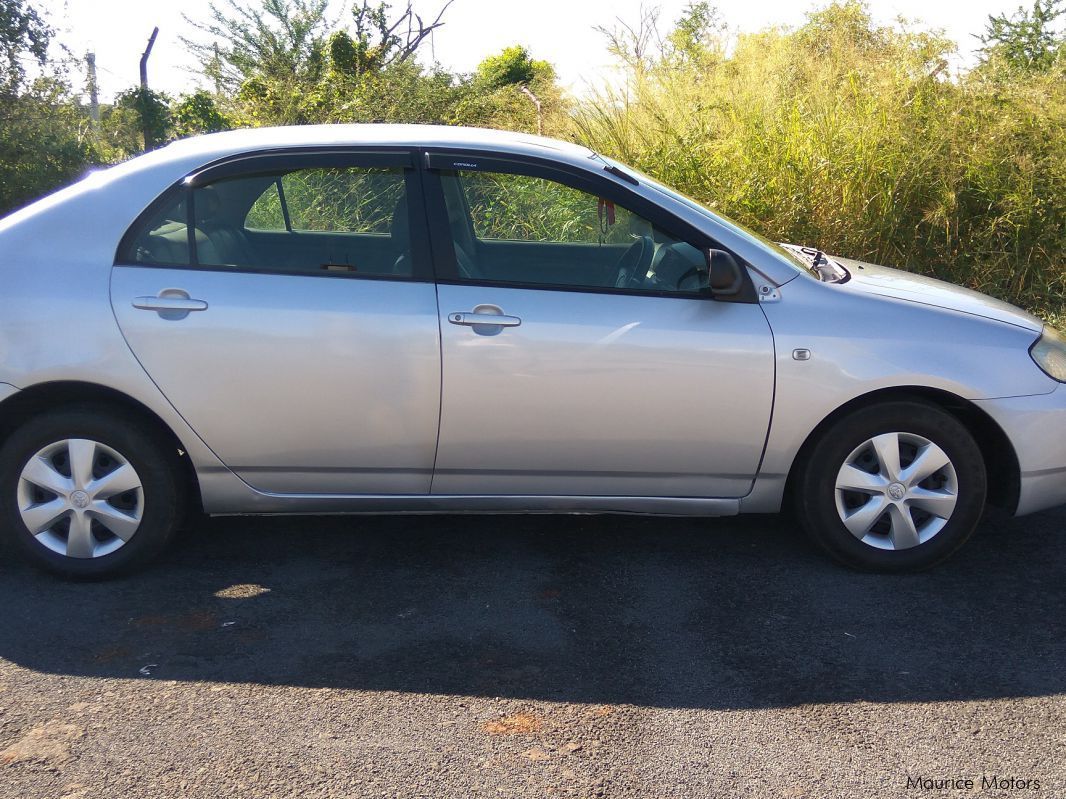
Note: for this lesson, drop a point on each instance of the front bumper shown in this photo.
(1036, 426)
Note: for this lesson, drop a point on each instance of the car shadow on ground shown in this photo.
(728, 613)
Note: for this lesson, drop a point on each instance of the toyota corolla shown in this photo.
(411, 319)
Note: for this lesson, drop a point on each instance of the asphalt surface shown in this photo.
(495, 656)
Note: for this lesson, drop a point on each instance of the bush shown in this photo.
(854, 138)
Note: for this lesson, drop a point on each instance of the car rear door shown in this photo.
(584, 386)
(284, 304)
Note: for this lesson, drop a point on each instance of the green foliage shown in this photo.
(1026, 40)
(400, 92)
(150, 109)
(266, 212)
(504, 92)
(344, 55)
(280, 41)
(340, 200)
(852, 137)
(44, 143)
(119, 135)
(44, 140)
(278, 62)
(343, 200)
(512, 66)
(523, 208)
(197, 113)
(693, 36)
(375, 41)
(373, 45)
(23, 34)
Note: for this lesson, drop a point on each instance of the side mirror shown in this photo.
(725, 276)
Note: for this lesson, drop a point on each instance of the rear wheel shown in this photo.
(897, 486)
(86, 494)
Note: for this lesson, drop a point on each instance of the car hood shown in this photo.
(886, 282)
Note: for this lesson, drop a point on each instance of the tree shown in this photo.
(44, 139)
(290, 40)
(693, 34)
(379, 41)
(514, 91)
(197, 113)
(152, 110)
(513, 66)
(635, 46)
(23, 33)
(283, 40)
(694, 37)
(284, 62)
(1026, 40)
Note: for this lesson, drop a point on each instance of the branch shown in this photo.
(415, 38)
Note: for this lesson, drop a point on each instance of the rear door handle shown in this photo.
(169, 304)
(469, 319)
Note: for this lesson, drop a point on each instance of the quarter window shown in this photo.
(267, 212)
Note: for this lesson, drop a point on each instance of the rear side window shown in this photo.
(342, 200)
(338, 220)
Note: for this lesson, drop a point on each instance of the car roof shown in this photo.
(364, 135)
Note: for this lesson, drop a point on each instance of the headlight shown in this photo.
(1049, 352)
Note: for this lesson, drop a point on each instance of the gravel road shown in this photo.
(538, 656)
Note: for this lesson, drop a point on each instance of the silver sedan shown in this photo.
(411, 319)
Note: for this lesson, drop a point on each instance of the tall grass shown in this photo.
(857, 139)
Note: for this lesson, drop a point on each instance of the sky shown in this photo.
(559, 31)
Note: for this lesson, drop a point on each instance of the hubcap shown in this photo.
(896, 491)
(80, 498)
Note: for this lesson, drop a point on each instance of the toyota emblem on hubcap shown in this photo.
(79, 499)
(896, 491)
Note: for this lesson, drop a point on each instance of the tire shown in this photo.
(75, 531)
(862, 519)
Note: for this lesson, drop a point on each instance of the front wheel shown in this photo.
(86, 494)
(892, 487)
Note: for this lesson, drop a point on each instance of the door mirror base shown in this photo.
(725, 277)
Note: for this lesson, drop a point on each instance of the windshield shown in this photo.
(738, 228)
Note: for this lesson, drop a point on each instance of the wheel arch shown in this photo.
(47, 397)
(1001, 461)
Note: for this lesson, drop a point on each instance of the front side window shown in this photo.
(522, 229)
(351, 220)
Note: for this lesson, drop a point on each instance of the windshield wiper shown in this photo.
(826, 271)
(817, 256)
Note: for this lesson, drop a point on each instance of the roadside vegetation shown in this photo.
(868, 141)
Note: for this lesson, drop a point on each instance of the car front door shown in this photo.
(285, 306)
(581, 354)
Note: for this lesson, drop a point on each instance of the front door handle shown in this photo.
(472, 319)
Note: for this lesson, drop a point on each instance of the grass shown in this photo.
(856, 138)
